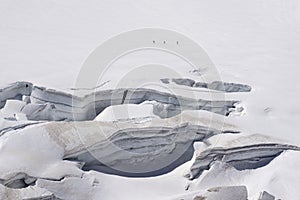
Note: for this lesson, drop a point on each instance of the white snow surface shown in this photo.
(251, 42)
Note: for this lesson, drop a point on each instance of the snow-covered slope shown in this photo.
(253, 44)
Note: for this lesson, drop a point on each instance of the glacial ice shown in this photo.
(215, 85)
(240, 157)
(52, 105)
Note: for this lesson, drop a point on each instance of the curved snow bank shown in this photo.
(36, 155)
(215, 85)
(52, 105)
(68, 107)
(15, 91)
(241, 151)
(46, 154)
(280, 177)
(241, 158)
(121, 145)
(131, 149)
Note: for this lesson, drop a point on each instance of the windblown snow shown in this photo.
(179, 136)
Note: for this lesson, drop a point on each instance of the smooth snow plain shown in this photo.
(251, 42)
